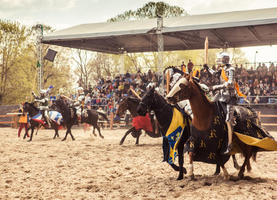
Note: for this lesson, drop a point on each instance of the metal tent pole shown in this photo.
(160, 42)
(40, 60)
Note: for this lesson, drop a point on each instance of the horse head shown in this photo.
(122, 106)
(180, 91)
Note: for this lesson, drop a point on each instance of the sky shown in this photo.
(61, 14)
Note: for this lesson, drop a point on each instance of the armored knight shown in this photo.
(43, 101)
(227, 92)
(79, 104)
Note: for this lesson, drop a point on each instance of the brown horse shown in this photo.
(207, 126)
(131, 104)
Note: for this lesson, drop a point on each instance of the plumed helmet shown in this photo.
(42, 91)
(223, 58)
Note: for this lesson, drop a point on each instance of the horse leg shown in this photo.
(138, 135)
(181, 160)
(99, 132)
(217, 170)
(248, 166)
(31, 136)
(191, 174)
(56, 133)
(71, 134)
(65, 135)
(225, 172)
(247, 156)
(127, 133)
(236, 165)
(94, 131)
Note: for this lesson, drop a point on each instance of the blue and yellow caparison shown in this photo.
(173, 135)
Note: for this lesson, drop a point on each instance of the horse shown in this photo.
(164, 113)
(131, 104)
(69, 116)
(91, 117)
(207, 116)
(36, 122)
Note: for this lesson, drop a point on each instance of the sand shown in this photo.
(95, 168)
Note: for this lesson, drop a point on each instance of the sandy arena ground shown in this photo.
(95, 168)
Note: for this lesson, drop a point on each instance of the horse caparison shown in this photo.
(33, 110)
(131, 104)
(204, 112)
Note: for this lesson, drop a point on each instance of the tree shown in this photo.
(12, 44)
(150, 10)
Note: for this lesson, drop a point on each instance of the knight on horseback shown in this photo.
(43, 101)
(80, 103)
(227, 92)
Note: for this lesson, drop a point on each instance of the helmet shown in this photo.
(223, 58)
(43, 92)
(80, 89)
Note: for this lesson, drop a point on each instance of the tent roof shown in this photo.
(236, 29)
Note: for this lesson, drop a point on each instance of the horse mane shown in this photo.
(33, 105)
(133, 99)
(202, 92)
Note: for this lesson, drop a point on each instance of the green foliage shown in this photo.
(18, 63)
(150, 10)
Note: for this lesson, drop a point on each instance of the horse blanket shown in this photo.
(53, 115)
(173, 135)
(142, 122)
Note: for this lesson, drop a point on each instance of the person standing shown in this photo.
(23, 121)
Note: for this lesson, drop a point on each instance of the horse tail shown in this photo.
(254, 156)
(104, 116)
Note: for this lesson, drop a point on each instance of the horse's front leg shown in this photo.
(138, 135)
(31, 136)
(181, 161)
(191, 174)
(99, 132)
(225, 172)
(127, 133)
(217, 170)
(71, 134)
(65, 135)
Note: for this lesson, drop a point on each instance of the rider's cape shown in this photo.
(173, 135)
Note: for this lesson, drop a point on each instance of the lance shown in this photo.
(14, 113)
(206, 50)
(136, 94)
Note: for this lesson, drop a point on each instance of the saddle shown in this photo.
(240, 113)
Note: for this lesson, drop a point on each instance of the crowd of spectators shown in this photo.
(258, 84)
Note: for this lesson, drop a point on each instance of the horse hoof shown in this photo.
(180, 177)
(184, 170)
(216, 174)
(102, 136)
(29, 140)
(63, 139)
(241, 176)
(73, 139)
(120, 143)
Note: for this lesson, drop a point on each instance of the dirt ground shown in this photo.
(95, 168)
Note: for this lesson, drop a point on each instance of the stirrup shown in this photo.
(228, 150)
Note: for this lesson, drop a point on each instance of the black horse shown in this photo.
(164, 113)
(91, 117)
(69, 116)
(131, 104)
(33, 111)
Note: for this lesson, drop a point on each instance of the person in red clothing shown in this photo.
(23, 121)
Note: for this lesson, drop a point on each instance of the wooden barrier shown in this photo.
(267, 116)
(13, 122)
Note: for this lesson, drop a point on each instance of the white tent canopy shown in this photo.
(234, 29)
